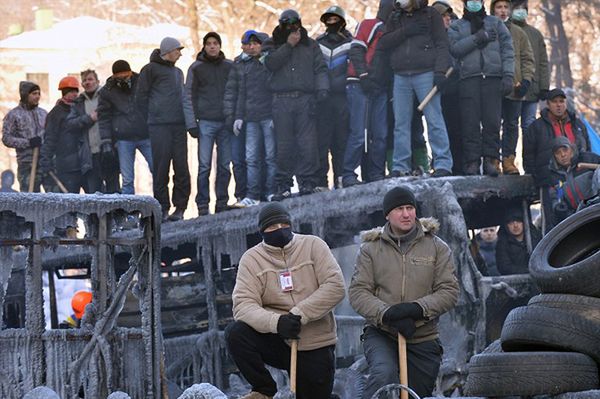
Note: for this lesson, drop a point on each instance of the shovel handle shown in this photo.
(293, 364)
(34, 162)
(402, 364)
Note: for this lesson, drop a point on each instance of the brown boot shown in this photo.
(508, 166)
(491, 167)
(256, 395)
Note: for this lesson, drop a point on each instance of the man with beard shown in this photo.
(159, 96)
(121, 122)
(60, 153)
(203, 102)
(332, 118)
(299, 74)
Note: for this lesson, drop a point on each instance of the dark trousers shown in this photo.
(169, 143)
(511, 110)
(451, 112)
(73, 181)
(381, 352)
(480, 112)
(332, 124)
(23, 174)
(238, 160)
(297, 147)
(96, 181)
(251, 350)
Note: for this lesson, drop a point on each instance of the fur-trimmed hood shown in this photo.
(428, 225)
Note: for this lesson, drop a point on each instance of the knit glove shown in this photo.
(438, 80)
(368, 85)
(289, 325)
(522, 89)
(405, 327)
(507, 85)
(483, 37)
(35, 142)
(401, 311)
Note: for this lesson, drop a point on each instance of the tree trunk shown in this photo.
(193, 24)
(560, 66)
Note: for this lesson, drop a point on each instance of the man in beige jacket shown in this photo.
(403, 281)
(286, 288)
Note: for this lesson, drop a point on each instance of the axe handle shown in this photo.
(432, 93)
(34, 162)
(293, 364)
(403, 364)
(58, 182)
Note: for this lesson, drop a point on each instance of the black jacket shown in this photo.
(417, 54)
(118, 115)
(247, 96)
(537, 146)
(204, 89)
(512, 256)
(60, 151)
(159, 92)
(336, 48)
(299, 68)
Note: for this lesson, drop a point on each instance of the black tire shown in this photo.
(567, 259)
(530, 373)
(539, 328)
(585, 306)
(595, 394)
(494, 347)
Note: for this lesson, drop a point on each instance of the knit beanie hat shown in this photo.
(120, 66)
(396, 197)
(442, 7)
(513, 214)
(214, 35)
(169, 44)
(520, 3)
(271, 214)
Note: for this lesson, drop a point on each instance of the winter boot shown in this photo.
(508, 166)
(491, 166)
(176, 215)
(472, 168)
(256, 395)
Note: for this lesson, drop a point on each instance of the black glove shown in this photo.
(368, 85)
(523, 88)
(416, 28)
(507, 85)
(322, 95)
(438, 80)
(401, 311)
(288, 326)
(405, 327)
(194, 132)
(543, 94)
(483, 37)
(35, 142)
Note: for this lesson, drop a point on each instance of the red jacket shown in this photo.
(363, 47)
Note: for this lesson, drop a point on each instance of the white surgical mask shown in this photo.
(520, 14)
(402, 3)
(474, 5)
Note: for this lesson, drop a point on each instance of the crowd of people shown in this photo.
(289, 103)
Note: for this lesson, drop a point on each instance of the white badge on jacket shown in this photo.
(285, 279)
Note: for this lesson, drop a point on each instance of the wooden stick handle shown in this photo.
(58, 182)
(293, 364)
(34, 162)
(586, 165)
(432, 93)
(403, 364)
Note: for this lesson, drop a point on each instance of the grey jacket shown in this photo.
(496, 59)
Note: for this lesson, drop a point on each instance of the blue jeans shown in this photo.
(238, 159)
(405, 87)
(212, 132)
(260, 148)
(528, 113)
(126, 150)
(376, 129)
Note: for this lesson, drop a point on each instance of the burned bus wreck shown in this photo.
(197, 266)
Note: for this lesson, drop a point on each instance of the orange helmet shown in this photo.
(78, 302)
(68, 82)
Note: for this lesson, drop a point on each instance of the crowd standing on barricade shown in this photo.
(293, 106)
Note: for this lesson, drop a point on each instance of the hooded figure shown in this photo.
(512, 255)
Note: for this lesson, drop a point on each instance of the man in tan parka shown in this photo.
(286, 288)
(403, 281)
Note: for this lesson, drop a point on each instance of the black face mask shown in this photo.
(334, 28)
(124, 84)
(278, 238)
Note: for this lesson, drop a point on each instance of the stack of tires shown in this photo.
(552, 345)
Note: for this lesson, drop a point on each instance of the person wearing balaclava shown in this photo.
(512, 254)
(286, 289)
(366, 93)
(403, 282)
(524, 73)
(483, 47)
(540, 85)
(417, 44)
(203, 105)
(299, 81)
(332, 115)
(23, 130)
(121, 121)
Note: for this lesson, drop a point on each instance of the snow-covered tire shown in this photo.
(494, 347)
(585, 306)
(567, 259)
(530, 373)
(535, 327)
